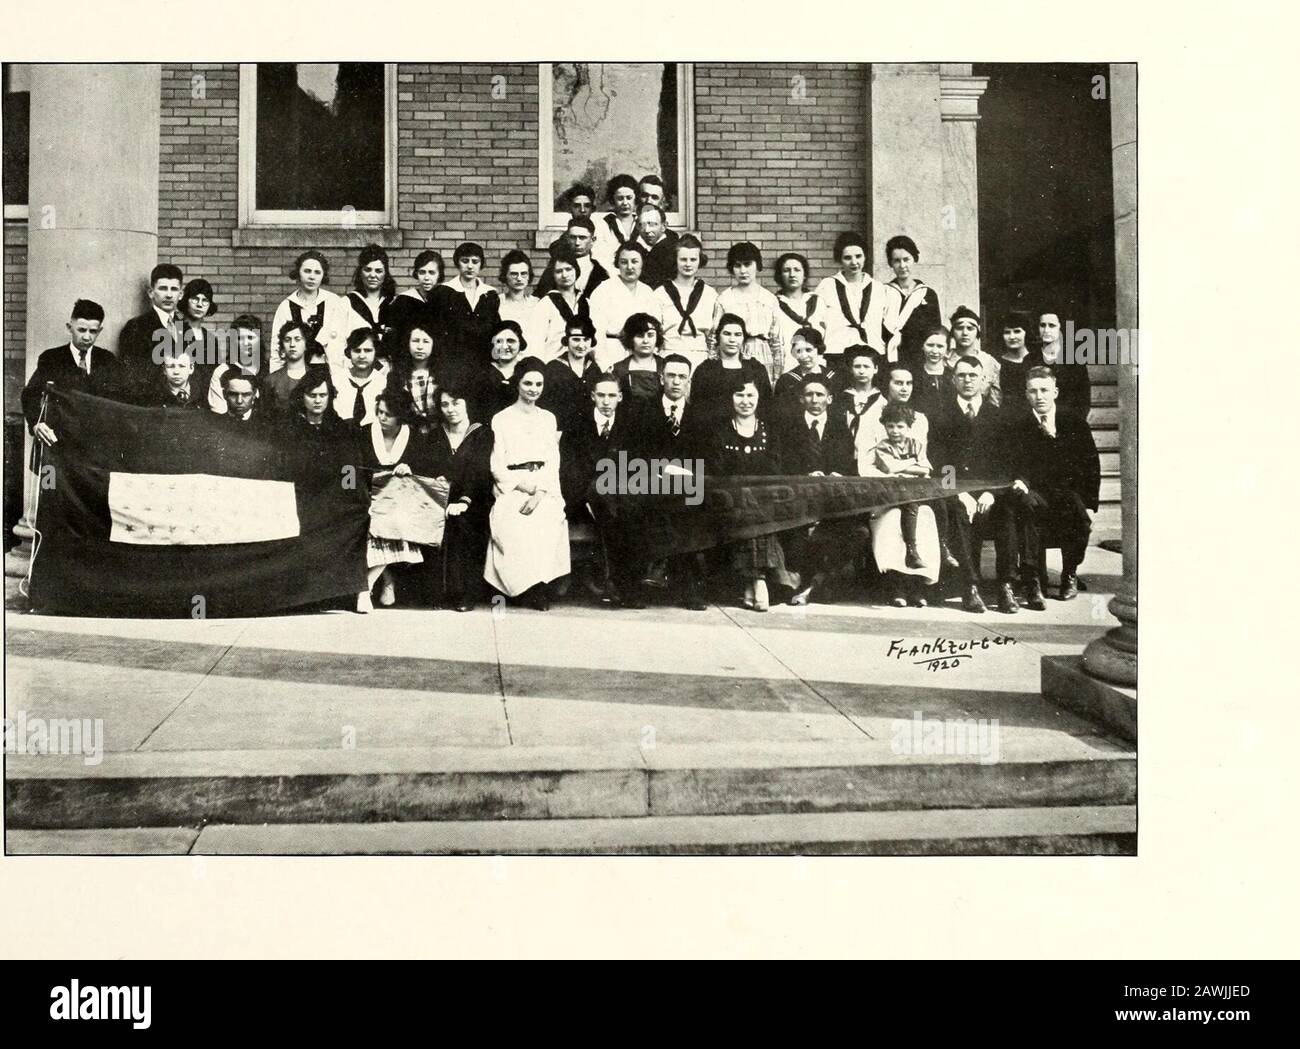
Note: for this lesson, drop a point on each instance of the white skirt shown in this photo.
(526, 549)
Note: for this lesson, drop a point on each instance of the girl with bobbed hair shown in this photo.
(418, 304)
(329, 316)
(373, 290)
(755, 305)
(713, 380)
(469, 308)
(911, 306)
(618, 225)
(850, 305)
(518, 303)
(796, 308)
(687, 304)
(530, 534)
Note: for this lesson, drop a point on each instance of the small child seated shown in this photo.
(901, 455)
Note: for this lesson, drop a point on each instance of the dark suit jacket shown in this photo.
(801, 453)
(135, 349)
(661, 262)
(582, 447)
(58, 366)
(546, 282)
(979, 450)
(655, 435)
(1066, 462)
(158, 396)
(565, 395)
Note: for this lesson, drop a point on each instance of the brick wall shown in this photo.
(467, 169)
(781, 161)
(15, 313)
(778, 161)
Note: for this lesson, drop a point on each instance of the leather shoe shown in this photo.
(1007, 599)
(973, 602)
(1034, 595)
(1069, 587)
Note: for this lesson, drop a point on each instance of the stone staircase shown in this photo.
(1104, 418)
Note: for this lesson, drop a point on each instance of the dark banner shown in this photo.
(687, 513)
(153, 512)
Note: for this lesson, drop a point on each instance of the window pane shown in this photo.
(320, 136)
(17, 116)
(611, 118)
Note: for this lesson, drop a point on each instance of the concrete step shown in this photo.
(193, 788)
(1081, 830)
(1104, 395)
(1105, 417)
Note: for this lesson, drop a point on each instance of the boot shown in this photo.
(1034, 594)
(972, 601)
(948, 560)
(908, 524)
(760, 595)
(913, 558)
(1007, 599)
(1069, 586)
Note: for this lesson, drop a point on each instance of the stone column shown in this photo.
(1114, 656)
(959, 96)
(907, 162)
(92, 207)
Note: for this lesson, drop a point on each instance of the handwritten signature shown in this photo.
(943, 653)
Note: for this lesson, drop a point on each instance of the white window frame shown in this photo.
(683, 218)
(251, 217)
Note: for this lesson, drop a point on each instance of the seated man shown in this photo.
(806, 345)
(76, 365)
(594, 445)
(570, 379)
(969, 442)
(1058, 472)
(243, 408)
(816, 441)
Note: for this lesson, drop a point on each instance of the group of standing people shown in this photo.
(481, 416)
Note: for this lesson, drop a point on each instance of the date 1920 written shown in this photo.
(943, 653)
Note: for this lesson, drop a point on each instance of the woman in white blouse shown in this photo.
(329, 316)
(850, 306)
(614, 301)
(796, 308)
(518, 303)
(530, 535)
(686, 304)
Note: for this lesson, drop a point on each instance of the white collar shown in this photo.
(388, 457)
(166, 318)
(809, 419)
(976, 402)
(668, 405)
(602, 419)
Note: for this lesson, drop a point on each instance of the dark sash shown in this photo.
(674, 296)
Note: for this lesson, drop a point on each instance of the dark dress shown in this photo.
(465, 537)
(381, 325)
(930, 391)
(568, 396)
(406, 310)
(730, 454)
(709, 388)
(924, 318)
(640, 384)
(465, 330)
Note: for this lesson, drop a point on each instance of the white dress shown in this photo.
(526, 313)
(526, 549)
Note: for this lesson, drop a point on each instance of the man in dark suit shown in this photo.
(816, 441)
(1058, 473)
(569, 380)
(76, 365)
(145, 340)
(578, 235)
(175, 386)
(592, 447)
(968, 441)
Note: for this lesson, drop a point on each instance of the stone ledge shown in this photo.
(315, 236)
(1065, 682)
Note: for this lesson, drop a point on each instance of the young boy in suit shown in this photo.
(76, 365)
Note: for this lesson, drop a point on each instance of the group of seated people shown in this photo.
(506, 403)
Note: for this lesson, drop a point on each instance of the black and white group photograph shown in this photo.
(732, 463)
(572, 457)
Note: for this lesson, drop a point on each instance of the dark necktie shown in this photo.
(84, 360)
(812, 429)
(604, 430)
(1042, 425)
(970, 411)
(183, 396)
(358, 404)
(673, 421)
